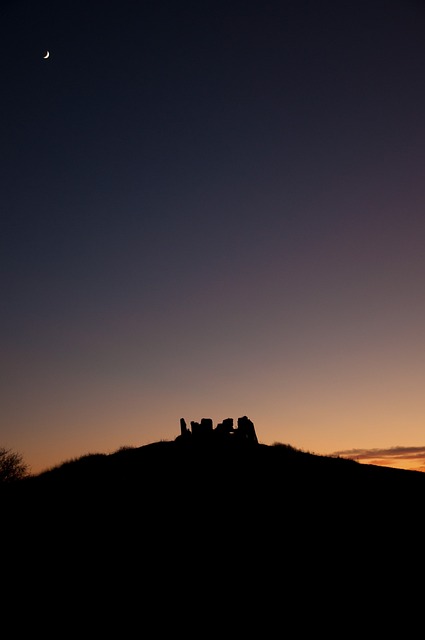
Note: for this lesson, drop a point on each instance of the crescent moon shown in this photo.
(47, 55)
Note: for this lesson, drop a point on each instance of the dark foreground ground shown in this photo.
(173, 534)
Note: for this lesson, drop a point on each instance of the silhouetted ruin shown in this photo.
(204, 431)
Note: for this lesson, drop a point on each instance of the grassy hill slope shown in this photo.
(210, 539)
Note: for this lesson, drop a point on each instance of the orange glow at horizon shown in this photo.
(409, 458)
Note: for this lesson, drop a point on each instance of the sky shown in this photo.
(213, 209)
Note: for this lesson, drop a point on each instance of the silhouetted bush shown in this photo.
(12, 466)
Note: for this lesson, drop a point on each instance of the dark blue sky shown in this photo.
(208, 210)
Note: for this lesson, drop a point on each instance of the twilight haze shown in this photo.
(213, 209)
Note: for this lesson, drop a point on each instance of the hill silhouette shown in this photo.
(223, 530)
(232, 477)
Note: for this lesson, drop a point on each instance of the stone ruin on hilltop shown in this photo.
(224, 431)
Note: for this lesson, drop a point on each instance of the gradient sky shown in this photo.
(213, 209)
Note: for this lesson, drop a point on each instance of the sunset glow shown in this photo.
(220, 215)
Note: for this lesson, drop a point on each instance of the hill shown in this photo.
(226, 534)
(230, 475)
